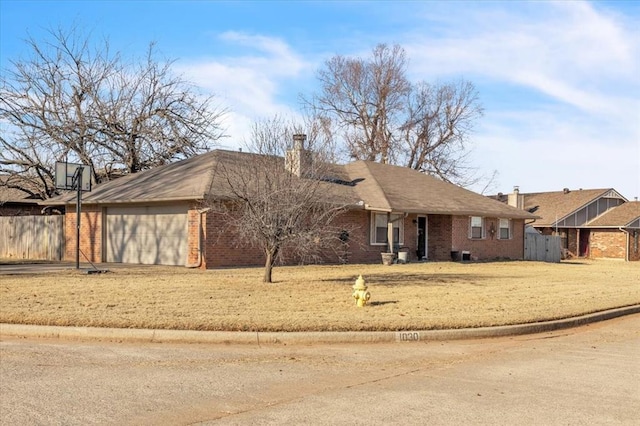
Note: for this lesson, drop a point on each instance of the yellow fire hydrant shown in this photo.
(360, 292)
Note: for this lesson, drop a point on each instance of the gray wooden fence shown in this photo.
(544, 248)
(32, 237)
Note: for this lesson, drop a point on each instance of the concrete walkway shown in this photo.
(190, 336)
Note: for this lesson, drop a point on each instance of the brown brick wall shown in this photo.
(90, 234)
(439, 237)
(490, 247)
(572, 241)
(607, 243)
(634, 245)
(11, 209)
(444, 234)
(221, 249)
(196, 226)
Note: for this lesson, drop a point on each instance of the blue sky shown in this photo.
(559, 81)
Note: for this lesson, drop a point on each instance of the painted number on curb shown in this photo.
(407, 336)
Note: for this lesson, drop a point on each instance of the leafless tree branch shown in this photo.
(72, 101)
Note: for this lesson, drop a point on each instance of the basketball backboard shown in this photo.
(65, 173)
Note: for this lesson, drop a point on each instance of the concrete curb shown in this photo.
(242, 337)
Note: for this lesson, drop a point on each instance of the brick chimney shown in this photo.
(298, 160)
(515, 199)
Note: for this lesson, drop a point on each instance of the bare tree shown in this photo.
(364, 97)
(72, 101)
(382, 116)
(284, 206)
(439, 119)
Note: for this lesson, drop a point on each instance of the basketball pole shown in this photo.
(78, 183)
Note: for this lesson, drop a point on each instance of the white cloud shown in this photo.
(573, 69)
(249, 84)
(568, 56)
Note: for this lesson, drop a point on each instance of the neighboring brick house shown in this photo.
(14, 202)
(595, 223)
(616, 234)
(157, 216)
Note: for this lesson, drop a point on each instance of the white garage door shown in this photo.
(154, 235)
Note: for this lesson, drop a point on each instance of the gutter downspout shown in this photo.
(199, 261)
(626, 248)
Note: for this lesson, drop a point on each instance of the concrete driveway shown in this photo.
(587, 375)
(14, 268)
(35, 268)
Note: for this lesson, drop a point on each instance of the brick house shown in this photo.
(594, 223)
(14, 202)
(158, 217)
(616, 234)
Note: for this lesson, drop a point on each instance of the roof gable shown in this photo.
(626, 215)
(570, 208)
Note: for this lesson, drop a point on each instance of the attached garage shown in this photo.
(151, 235)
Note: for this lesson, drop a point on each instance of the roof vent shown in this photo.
(566, 190)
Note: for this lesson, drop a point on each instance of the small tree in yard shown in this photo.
(284, 206)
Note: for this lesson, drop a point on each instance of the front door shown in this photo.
(584, 242)
(421, 246)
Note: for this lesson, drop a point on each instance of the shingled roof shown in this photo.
(13, 195)
(375, 186)
(180, 181)
(625, 215)
(387, 187)
(552, 207)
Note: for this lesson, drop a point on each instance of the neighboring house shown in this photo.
(596, 223)
(616, 234)
(14, 202)
(157, 216)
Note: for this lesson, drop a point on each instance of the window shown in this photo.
(379, 228)
(477, 227)
(505, 229)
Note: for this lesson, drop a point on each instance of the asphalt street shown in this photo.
(587, 375)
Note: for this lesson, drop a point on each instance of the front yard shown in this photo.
(419, 296)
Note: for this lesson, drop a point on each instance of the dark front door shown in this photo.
(584, 242)
(421, 250)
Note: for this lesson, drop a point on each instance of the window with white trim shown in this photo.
(476, 227)
(504, 230)
(379, 228)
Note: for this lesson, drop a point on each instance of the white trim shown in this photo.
(483, 228)
(395, 217)
(509, 228)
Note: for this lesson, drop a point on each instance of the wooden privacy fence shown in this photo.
(544, 248)
(32, 237)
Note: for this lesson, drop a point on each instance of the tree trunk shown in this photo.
(268, 266)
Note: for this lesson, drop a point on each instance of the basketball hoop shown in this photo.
(72, 176)
(68, 175)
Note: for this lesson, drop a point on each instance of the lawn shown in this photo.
(419, 296)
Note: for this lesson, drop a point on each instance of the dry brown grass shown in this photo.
(415, 296)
